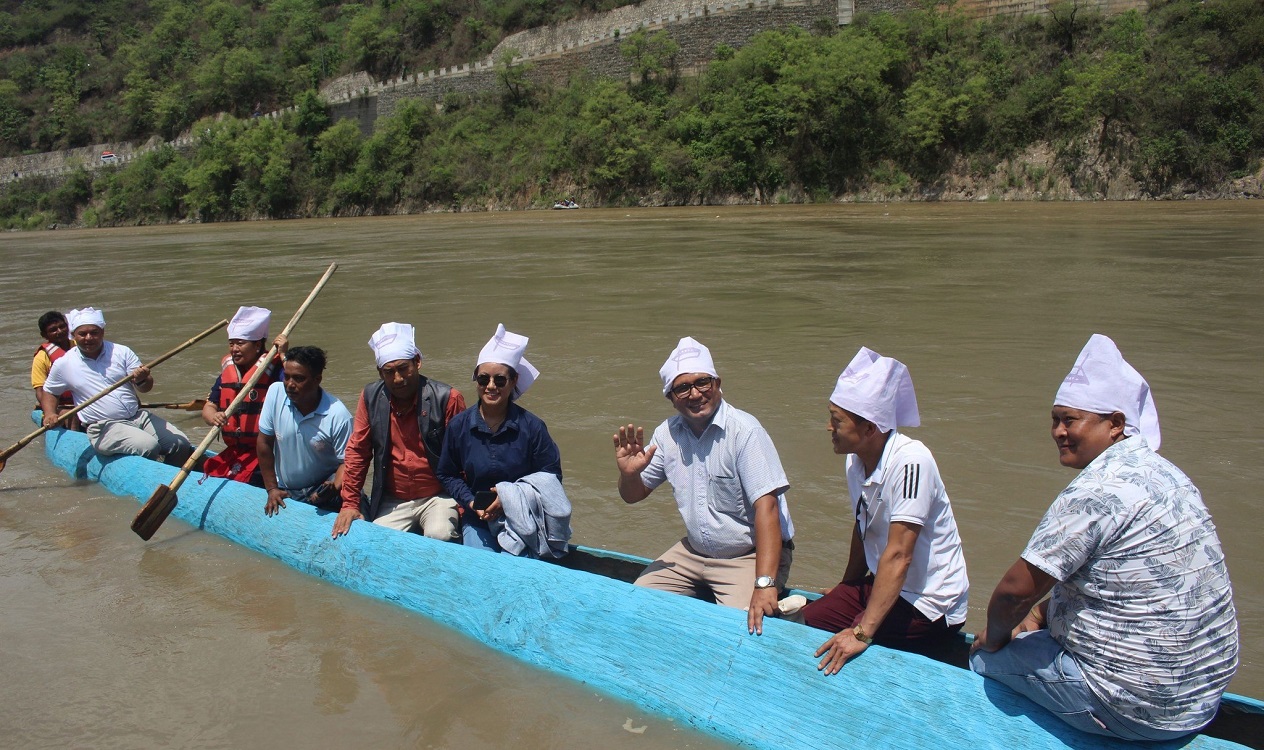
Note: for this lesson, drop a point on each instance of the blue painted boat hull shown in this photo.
(674, 656)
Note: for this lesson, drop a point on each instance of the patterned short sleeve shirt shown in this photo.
(1143, 602)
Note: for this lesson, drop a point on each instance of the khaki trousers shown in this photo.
(730, 582)
(435, 517)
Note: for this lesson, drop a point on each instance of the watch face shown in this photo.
(763, 582)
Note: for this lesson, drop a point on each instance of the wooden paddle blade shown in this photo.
(154, 512)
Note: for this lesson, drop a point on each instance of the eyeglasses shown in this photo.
(862, 516)
(484, 380)
(702, 385)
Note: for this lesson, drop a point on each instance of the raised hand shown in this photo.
(630, 452)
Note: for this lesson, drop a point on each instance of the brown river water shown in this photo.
(190, 641)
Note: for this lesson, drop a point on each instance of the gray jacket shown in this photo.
(537, 516)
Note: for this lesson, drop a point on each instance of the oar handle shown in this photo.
(194, 405)
(244, 392)
(109, 389)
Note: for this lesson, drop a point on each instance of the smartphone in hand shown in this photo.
(483, 500)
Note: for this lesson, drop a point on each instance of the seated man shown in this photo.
(1139, 638)
(247, 342)
(729, 486)
(115, 424)
(905, 585)
(56, 333)
(303, 435)
(400, 424)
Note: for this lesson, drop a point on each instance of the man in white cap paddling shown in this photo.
(1139, 638)
(905, 585)
(400, 424)
(115, 424)
(729, 487)
(247, 342)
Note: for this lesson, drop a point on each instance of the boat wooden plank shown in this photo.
(678, 657)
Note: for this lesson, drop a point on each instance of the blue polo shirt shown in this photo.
(308, 448)
(474, 459)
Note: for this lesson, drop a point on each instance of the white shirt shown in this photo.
(905, 486)
(85, 378)
(1143, 602)
(717, 477)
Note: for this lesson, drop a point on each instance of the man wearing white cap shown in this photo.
(399, 427)
(729, 487)
(115, 424)
(1139, 638)
(247, 337)
(905, 585)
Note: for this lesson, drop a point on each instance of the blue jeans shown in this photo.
(476, 534)
(1036, 666)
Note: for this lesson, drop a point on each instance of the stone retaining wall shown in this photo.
(557, 52)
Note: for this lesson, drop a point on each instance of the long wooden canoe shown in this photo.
(678, 657)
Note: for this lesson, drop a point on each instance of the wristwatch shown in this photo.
(859, 633)
(765, 582)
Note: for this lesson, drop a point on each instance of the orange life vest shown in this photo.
(241, 430)
(55, 353)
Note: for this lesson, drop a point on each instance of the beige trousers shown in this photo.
(731, 582)
(435, 517)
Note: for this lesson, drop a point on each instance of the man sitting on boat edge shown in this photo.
(729, 487)
(1139, 638)
(400, 424)
(905, 585)
(303, 433)
(115, 424)
(247, 335)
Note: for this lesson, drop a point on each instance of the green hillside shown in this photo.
(77, 73)
(1165, 103)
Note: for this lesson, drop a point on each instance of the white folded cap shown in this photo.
(250, 323)
(507, 348)
(688, 356)
(393, 341)
(1103, 382)
(87, 316)
(878, 389)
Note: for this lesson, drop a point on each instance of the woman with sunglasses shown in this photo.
(495, 440)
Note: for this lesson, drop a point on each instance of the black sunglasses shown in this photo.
(702, 385)
(484, 380)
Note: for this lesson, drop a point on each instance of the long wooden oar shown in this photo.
(163, 501)
(19, 445)
(194, 405)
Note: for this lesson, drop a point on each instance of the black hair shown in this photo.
(48, 319)
(311, 357)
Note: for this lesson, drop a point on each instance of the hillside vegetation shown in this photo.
(1171, 101)
(98, 71)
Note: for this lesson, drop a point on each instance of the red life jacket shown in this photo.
(241, 430)
(239, 460)
(55, 353)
